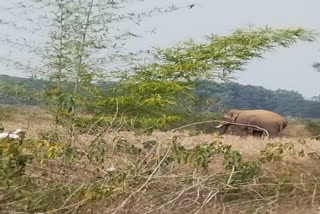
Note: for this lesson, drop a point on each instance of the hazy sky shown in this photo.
(286, 68)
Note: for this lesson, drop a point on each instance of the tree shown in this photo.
(161, 84)
(155, 93)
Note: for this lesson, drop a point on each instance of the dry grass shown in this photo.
(32, 118)
(300, 171)
(38, 120)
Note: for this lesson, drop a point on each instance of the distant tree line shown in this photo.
(234, 95)
(212, 97)
(20, 91)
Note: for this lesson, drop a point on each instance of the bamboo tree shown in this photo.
(161, 91)
(81, 31)
(85, 37)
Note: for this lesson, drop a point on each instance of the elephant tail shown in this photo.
(285, 123)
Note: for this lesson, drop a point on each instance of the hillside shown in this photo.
(234, 95)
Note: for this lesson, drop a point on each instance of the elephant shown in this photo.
(270, 121)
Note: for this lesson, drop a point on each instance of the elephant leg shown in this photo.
(253, 132)
(243, 132)
(257, 133)
(223, 128)
(250, 132)
(273, 135)
(279, 134)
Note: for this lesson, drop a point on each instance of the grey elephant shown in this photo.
(270, 121)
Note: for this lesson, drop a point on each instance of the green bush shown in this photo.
(50, 175)
(313, 125)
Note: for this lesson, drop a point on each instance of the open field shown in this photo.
(37, 120)
(181, 172)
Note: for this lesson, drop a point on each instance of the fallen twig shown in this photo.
(143, 185)
(210, 121)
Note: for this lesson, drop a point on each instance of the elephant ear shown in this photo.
(231, 116)
(234, 116)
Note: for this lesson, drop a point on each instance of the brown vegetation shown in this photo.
(115, 174)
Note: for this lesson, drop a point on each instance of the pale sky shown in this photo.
(285, 68)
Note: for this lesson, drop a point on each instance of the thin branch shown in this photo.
(142, 186)
(211, 121)
(208, 199)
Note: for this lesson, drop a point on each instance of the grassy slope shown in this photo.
(301, 198)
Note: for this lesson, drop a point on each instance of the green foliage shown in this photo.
(160, 94)
(276, 151)
(190, 60)
(202, 155)
(97, 151)
(163, 89)
(13, 159)
(313, 125)
(80, 31)
(43, 176)
(272, 152)
(145, 103)
(208, 96)
(17, 91)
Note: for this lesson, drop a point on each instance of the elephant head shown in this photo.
(228, 119)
